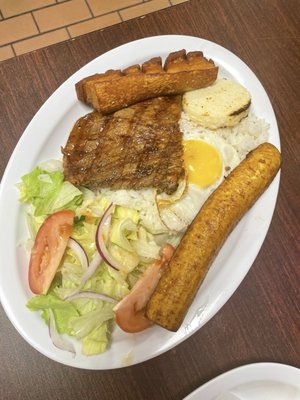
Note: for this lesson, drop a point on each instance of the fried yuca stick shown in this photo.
(205, 236)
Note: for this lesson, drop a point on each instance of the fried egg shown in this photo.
(208, 159)
(203, 162)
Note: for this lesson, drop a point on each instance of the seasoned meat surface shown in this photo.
(134, 148)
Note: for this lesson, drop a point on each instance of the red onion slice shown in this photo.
(80, 252)
(101, 240)
(101, 253)
(91, 295)
(94, 264)
(56, 338)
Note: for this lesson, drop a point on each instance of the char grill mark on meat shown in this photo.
(134, 148)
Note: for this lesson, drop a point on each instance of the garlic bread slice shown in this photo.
(223, 104)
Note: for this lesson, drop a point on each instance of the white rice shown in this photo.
(244, 137)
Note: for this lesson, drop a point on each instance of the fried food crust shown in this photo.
(115, 89)
(202, 241)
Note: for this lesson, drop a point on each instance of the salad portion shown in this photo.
(87, 250)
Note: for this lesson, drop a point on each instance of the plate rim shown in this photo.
(260, 370)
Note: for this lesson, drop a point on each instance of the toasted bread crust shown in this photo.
(202, 241)
(115, 89)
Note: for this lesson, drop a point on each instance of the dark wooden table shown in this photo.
(261, 320)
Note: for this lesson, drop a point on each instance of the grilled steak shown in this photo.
(134, 148)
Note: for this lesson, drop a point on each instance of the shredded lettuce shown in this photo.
(84, 318)
(146, 246)
(128, 260)
(67, 198)
(96, 341)
(135, 238)
(108, 282)
(63, 311)
(84, 324)
(84, 233)
(121, 230)
(47, 192)
(33, 224)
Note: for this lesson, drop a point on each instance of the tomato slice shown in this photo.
(130, 311)
(48, 249)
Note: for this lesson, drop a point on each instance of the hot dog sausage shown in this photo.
(203, 239)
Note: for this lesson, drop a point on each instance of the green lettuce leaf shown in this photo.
(96, 342)
(84, 232)
(68, 197)
(63, 311)
(83, 325)
(107, 282)
(47, 192)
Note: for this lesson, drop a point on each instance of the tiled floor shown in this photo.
(27, 25)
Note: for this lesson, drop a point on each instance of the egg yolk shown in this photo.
(203, 162)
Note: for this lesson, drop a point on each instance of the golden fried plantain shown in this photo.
(207, 233)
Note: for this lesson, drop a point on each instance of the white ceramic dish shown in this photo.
(261, 381)
(47, 132)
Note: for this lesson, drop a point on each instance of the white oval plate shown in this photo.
(260, 381)
(42, 140)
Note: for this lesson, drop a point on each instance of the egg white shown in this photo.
(177, 215)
